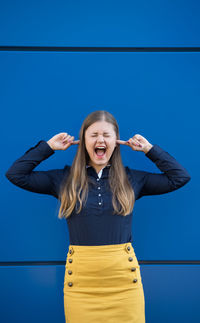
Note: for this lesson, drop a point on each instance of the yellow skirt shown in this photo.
(103, 284)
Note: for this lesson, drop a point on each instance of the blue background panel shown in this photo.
(35, 293)
(32, 294)
(154, 94)
(109, 23)
(172, 293)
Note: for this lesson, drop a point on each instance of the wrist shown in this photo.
(147, 148)
(50, 144)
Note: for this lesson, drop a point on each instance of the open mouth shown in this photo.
(100, 151)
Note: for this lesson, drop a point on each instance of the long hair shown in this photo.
(75, 187)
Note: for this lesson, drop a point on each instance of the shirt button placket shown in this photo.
(99, 195)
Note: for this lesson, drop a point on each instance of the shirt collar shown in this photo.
(103, 173)
(103, 167)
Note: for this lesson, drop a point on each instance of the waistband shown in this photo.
(101, 249)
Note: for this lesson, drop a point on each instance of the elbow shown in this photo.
(179, 182)
(9, 176)
(187, 179)
(184, 180)
(15, 179)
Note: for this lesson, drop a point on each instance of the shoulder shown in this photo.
(64, 172)
(58, 175)
(135, 175)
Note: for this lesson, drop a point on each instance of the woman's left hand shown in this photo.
(137, 142)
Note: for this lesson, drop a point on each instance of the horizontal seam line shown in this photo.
(99, 49)
(49, 263)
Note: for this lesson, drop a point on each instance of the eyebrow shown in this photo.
(105, 132)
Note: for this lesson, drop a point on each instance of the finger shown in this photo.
(135, 142)
(136, 138)
(75, 142)
(122, 142)
(130, 141)
(68, 138)
(65, 134)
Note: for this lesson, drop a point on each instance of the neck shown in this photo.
(98, 167)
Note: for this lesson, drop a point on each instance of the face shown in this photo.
(100, 134)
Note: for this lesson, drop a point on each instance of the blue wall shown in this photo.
(155, 92)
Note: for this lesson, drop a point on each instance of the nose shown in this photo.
(100, 138)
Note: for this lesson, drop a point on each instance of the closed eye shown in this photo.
(104, 135)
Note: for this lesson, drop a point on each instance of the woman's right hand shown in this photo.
(62, 141)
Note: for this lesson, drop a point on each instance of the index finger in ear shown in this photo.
(122, 142)
(75, 142)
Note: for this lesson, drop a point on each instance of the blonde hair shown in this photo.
(75, 187)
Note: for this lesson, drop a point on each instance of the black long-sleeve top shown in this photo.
(95, 224)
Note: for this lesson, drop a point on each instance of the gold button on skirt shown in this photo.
(103, 284)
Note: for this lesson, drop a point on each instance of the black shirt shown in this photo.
(96, 225)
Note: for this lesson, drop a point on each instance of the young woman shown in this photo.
(97, 193)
